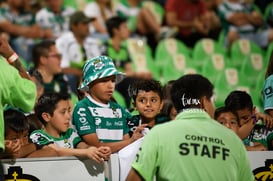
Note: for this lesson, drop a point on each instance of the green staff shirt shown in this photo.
(15, 91)
(192, 147)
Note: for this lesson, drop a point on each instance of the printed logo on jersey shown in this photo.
(82, 116)
(197, 145)
(268, 92)
(97, 121)
(16, 174)
(266, 172)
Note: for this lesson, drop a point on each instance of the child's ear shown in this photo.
(46, 116)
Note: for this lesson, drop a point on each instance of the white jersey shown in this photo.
(58, 23)
(72, 53)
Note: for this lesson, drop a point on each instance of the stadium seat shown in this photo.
(168, 47)
(228, 80)
(213, 66)
(176, 66)
(251, 66)
(204, 48)
(242, 48)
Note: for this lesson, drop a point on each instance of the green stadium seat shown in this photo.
(251, 66)
(204, 48)
(176, 66)
(228, 80)
(242, 48)
(213, 65)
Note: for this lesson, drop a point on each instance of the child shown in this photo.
(16, 137)
(53, 110)
(230, 119)
(98, 120)
(249, 131)
(147, 100)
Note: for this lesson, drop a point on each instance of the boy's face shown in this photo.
(123, 31)
(228, 119)
(59, 122)
(148, 104)
(15, 137)
(244, 116)
(101, 90)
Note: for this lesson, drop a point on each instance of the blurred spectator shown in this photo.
(76, 46)
(47, 61)
(142, 22)
(193, 19)
(116, 48)
(21, 28)
(101, 10)
(54, 16)
(241, 20)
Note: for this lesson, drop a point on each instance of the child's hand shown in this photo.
(95, 154)
(12, 147)
(106, 151)
(267, 120)
(138, 132)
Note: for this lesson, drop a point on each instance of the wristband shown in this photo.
(13, 58)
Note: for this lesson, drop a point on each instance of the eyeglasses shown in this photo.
(57, 55)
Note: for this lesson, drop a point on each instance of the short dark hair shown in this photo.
(47, 104)
(112, 23)
(145, 85)
(238, 100)
(225, 109)
(41, 49)
(190, 86)
(15, 120)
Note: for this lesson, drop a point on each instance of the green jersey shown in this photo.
(69, 139)
(192, 147)
(109, 121)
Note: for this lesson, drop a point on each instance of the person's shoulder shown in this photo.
(84, 103)
(42, 13)
(66, 37)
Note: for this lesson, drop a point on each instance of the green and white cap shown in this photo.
(97, 68)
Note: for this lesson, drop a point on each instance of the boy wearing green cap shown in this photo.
(98, 120)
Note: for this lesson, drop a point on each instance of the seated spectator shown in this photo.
(54, 16)
(142, 22)
(230, 119)
(101, 10)
(97, 119)
(17, 143)
(54, 111)
(47, 62)
(193, 19)
(116, 48)
(254, 126)
(20, 28)
(76, 46)
(147, 99)
(241, 20)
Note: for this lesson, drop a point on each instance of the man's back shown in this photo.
(193, 147)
